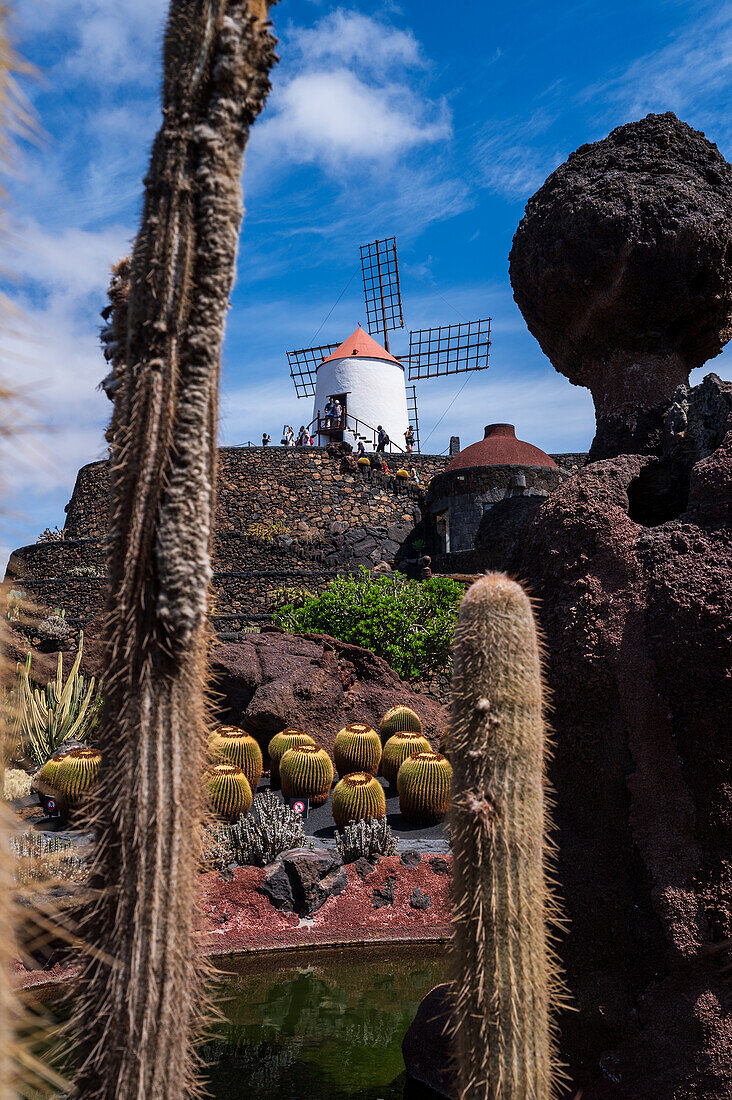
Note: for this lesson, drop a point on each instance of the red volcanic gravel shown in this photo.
(236, 917)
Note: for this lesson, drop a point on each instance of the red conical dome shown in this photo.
(359, 343)
(500, 447)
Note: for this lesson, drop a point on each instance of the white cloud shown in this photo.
(335, 118)
(115, 41)
(348, 37)
(692, 73)
(346, 96)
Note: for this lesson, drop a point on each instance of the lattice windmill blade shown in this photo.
(449, 349)
(381, 289)
(303, 365)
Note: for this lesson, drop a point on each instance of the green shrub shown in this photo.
(408, 623)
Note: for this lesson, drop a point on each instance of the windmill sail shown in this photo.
(303, 365)
(381, 289)
(449, 349)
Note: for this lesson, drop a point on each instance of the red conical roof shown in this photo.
(500, 447)
(360, 343)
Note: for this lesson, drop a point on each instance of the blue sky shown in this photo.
(433, 124)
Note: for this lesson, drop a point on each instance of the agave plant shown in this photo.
(57, 713)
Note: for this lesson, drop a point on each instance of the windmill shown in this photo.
(367, 379)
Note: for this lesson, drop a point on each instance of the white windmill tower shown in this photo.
(369, 382)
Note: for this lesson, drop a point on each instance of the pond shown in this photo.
(319, 1027)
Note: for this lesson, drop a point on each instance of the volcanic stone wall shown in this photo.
(286, 517)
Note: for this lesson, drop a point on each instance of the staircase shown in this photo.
(351, 425)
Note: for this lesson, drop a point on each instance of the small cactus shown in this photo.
(399, 720)
(358, 797)
(504, 973)
(306, 772)
(70, 777)
(397, 749)
(357, 748)
(235, 745)
(278, 746)
(227, 790)
(423, 783)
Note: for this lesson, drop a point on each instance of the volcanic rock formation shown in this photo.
(622, 268)
(273, 680)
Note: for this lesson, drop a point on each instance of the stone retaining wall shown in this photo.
(286, 517)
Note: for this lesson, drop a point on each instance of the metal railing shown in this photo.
(328, 426)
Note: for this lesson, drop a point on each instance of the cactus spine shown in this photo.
(227, 790)
(70, 777)
(358, 797)
(306, 772)
(240, 748)
(423, 783)
(399, 748)
(278, 746)
(140, 994)
(503, 969)
(357, 748)
(399, 720)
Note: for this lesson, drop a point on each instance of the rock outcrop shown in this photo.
(273, 680)
(622, 268)
(301, 880)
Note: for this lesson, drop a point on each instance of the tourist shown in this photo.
(266, 439)
(382, 439)
(409, 439)
(302, 437)
(384, 467)
(337, 412)
(288, 436)
(414, 475)
(328, 411)
(360, 450)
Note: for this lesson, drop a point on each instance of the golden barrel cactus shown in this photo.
(363, 461)
(399, 719)
(399, 748)
(357, 748)
(403, 475)
(278, 746)
(238, 747)
(423, 783)
(357, 797)
(306, 772)
(70, 777)
(227, 791)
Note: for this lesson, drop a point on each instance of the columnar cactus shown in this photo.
(70, 777)
(306, 772)
(503, 968)
(278, 746)
(358, 797)
(357, 748)
(235, 745)
(397, 749)
(399, 720)
(140, 990)
(227, 790)
(423, 783)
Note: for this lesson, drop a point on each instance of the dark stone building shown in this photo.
(498, 467)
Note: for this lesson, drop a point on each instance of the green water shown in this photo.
(319, 1028)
